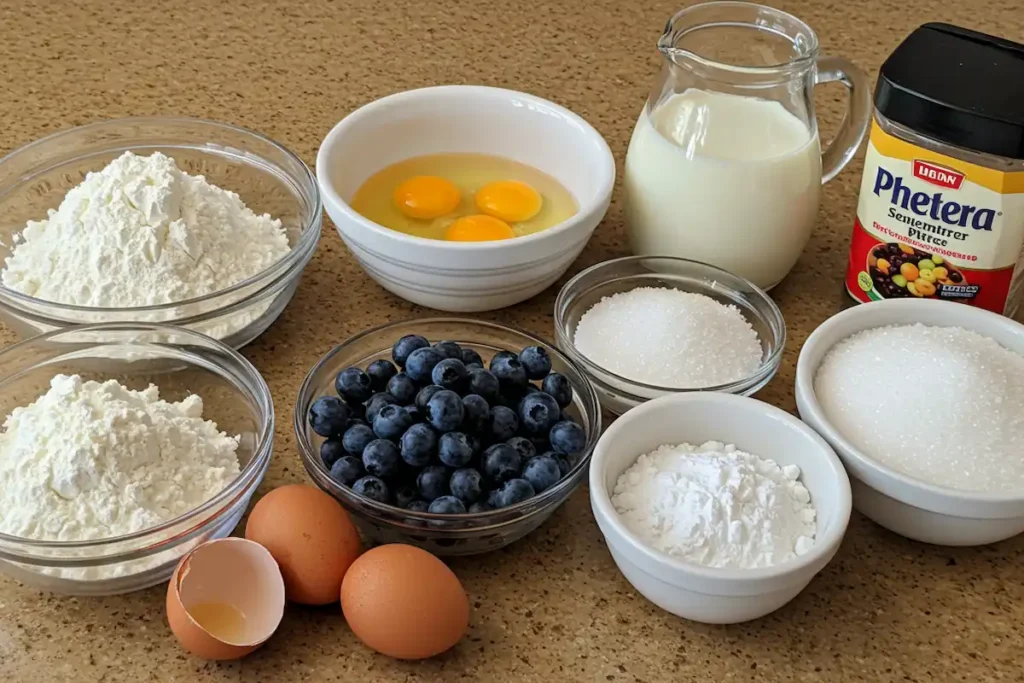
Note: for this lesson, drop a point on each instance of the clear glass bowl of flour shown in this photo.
(267, 177)
(618, 393)
(179, 362)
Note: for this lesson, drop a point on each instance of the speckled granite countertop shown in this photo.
(552, 607)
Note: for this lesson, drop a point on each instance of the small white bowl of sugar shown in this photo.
(715, 507)
(922, 401)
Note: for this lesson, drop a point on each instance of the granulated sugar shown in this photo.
(669, 338)
(940, 404)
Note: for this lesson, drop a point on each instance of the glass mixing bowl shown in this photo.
(618, 394)
(268, 178)
(466, 534)
(180, 362)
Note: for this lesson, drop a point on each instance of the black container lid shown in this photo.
(957, 86)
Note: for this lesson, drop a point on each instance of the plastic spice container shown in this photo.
(941, 210)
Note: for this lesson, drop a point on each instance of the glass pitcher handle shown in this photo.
(855, 121)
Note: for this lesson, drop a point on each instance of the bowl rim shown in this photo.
(541, 500)
(933, 497)
(825, 544)
(303, 247)
(326, 151)
(250, 475)
(776, 320)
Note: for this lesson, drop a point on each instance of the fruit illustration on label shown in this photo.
(899, 270)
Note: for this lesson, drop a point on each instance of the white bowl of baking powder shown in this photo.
(718, 595)
(905, 504)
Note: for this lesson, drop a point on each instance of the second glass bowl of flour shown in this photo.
(165, 220)
(123, 447)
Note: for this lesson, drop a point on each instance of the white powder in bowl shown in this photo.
(940, 404)
(669, 338)
(717, 506)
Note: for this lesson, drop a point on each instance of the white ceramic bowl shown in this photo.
(465, 276)
(912, 508)
(706, 594)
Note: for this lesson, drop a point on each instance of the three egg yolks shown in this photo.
(500, 203)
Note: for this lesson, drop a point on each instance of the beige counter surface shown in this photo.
(552, 607)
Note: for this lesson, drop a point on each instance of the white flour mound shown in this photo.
(717, 506)
(90, 460)
(142, 232)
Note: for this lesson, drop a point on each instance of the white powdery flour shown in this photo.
(90, 460)
(940, 404)
(717, 506)
(142, 232)
(669, 338)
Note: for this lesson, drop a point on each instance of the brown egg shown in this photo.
(311, 537)
(404, 602)
(225, 599)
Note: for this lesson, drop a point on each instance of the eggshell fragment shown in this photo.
(312, 538)
(404, 602)
(235, 574)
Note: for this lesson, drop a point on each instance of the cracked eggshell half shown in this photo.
(225, 599)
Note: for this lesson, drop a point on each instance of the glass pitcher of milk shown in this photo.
(725, 165)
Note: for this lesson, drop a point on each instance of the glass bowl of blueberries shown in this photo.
(458, 436)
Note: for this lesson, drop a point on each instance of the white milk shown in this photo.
(728, 180)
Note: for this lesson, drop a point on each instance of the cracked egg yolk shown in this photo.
(478, 229)
(426, 197)
(510, 200)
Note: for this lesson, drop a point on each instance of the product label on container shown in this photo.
(933, 226)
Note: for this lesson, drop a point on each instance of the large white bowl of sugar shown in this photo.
(909, 505)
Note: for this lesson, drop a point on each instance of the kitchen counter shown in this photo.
(552, 607)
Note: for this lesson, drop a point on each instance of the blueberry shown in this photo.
(504, 423)
(418, 445)
(424, 396)
(478, 507)
(402, 388)
(471, 356)
(567, 437)
(447, 505)
(328, 416)
(418, 506)
(405, 346)
(432, 482)
(538, 413)
(475, 443)
(380, 371)
(558, 387)
(492, 499)
(346, 470)
(466, 485)
(474, 366)
(355, 439)
(542, 472)
(510, 373)
(502, 355)
(373, 488)
(404, 495)
(450, 374)
(330, 451)
(500, 463)
(563, 463)
(421, 363)
(524, 447)
(477, 413)
(449, 349)
(391, 422)
(376, 402)
(353, 385)
(445, 411)
(484, 383)
(512, 492)
(454, 449)
(381, 458)
(414, 414)
(536, 361)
